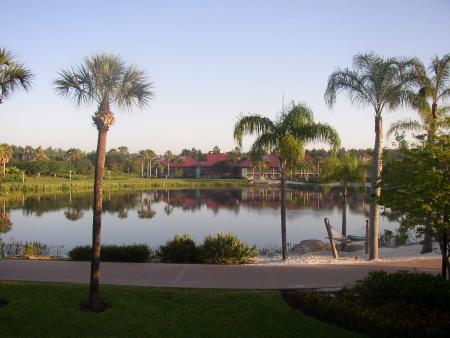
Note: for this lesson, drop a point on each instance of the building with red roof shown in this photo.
(220, 166)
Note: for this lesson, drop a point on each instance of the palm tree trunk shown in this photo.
(444, 248)
(4, 171)
(150, 172)
(283, 213)
(374, 188)
(94, 290)
(142, 169)
(344, 210)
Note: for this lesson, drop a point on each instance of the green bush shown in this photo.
(113, 253)
(181, 249)
(226, 249)
(387, 305)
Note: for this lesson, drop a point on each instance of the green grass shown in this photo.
(52, 309)
(116, 183)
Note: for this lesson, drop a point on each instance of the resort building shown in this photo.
(220, 166)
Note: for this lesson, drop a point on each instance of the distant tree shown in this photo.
(104, 80)
(5, 157)
(380, 84)
(285, 138)
(13, 75)
(73, 155)
(216, 150)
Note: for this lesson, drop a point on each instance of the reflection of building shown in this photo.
(220, 166)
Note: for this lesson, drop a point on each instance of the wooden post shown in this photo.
(366, 250)
(330, 236)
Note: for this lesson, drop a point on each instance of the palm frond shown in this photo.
(298, 114)
(319, 132)
(252, 124)
(347, 81)
(404, 125)
(105, 79)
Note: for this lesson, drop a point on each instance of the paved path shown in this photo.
(207, 276)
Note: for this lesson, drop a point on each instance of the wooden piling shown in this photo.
(330, 236)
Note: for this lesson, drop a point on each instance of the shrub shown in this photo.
(113, 253)
(181, 249)
(387, 305)
(226, 249)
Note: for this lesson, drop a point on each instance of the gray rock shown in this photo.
(310, 245)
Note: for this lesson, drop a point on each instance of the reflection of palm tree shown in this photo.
(168, 208)
(73, 214)
(123, 213)
(146, 212)
(5, 222)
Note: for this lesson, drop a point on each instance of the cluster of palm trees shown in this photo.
(5, 156)
(380, 83)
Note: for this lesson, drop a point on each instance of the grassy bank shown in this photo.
(50, 309)
(50, 184)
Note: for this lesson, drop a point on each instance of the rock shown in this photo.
(310, 245)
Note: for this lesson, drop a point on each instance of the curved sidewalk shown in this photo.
(208, 276)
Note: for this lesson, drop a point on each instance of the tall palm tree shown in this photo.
(5, 157)
(348, 171)
(13, 75)
(168, 156)
(382, 84)
(106, 81)
(434, 90)
(285, 138)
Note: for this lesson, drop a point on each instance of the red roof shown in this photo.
(186, 161)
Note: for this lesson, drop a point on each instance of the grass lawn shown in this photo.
(51, 309)
(115, 183)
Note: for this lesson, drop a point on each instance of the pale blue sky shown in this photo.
(209, 61)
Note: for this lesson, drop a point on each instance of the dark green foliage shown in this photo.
(387, 305)
(181, 249)
(226, 249)
(113, 253)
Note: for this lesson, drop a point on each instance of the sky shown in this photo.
(209, 61)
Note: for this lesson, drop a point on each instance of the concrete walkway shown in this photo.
(207, 276)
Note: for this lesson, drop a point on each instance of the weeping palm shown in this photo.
(434, 89)
(285, 138)
(383, 84)
(13, 75)
(104, 80)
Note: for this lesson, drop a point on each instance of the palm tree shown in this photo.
(168, 156)
(381, 84)
(13, 75)
(285, 138)
(106, 81)
(348, 171)
(434, 89)
(5, 157)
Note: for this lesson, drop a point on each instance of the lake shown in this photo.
(155, 216)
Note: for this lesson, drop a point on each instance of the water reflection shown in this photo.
(5, 221)
(252, 213)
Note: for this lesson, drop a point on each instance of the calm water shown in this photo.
(154, 216)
